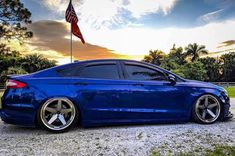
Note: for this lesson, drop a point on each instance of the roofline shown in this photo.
(94, 60)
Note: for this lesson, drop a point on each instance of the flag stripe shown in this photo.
(72, 18)
(71, 14)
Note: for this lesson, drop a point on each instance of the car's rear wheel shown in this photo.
(207, 109)
(57, 115)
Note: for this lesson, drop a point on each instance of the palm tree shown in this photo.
(11, 71)
(34, 62)
(155, 57)
(177, 55)
(194, 51)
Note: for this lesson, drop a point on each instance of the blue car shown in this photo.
(109, 92)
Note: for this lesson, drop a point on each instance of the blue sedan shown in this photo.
(108, 92)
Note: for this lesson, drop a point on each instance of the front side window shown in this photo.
(104, 71)
(137, 72)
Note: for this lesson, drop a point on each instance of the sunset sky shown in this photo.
(129, 28)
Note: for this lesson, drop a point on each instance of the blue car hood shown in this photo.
(203, 84)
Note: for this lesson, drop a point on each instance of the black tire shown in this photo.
(196, 117)
(42, 123)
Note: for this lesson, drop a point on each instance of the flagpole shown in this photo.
(71, 40)
(71, 44)
(71, 17)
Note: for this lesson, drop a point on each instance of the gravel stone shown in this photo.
(138, 140)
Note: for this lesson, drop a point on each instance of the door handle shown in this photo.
(80, 84)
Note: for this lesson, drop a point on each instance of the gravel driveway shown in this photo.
(120, 140)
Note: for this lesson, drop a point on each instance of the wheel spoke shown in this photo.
(211, 113)
(212, 105)
(206, 101)
(53, 118)
(62, 120)
(66, 111)
(52, 110)
(201, 107)
(59, 105)
(204, 114)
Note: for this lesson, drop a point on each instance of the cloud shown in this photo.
(102, 13)
(138, 40)
(50, 36)
(226, 43)
(143, 7)
(211, 16)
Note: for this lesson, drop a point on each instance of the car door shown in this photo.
(100, 91)
(153, 96)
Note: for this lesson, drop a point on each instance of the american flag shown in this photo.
(72, 18)
(70, 14)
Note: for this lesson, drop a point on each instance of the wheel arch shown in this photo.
(210, 91)
(216, 94)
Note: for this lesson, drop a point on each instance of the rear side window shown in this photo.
(69, 71)
(136, 72)
(104, 71)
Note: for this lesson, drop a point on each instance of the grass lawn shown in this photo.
(231, 91)
(218, 150)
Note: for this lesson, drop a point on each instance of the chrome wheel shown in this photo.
(207, 108)
(57, 113)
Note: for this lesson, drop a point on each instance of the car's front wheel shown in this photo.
(207, 109)
(57, 115)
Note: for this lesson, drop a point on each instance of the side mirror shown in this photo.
(172, 78)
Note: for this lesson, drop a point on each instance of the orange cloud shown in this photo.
(51, 35)
(226, 43)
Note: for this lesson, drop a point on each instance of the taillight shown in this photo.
(15, 84)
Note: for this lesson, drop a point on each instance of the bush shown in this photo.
(11, 71)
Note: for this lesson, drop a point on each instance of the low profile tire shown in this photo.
(57, 115)
(206, 110)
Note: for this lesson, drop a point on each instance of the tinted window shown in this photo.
(69, 71)
(136, 72)
(104, 71)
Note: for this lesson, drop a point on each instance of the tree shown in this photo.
(178, 72)
(228, 66)
(14, 64)
(13, 18)
(177, 55)
(8, 58)
(194, 70)
(169, 64)
(34, 62)
(204, 69)
(155, 57)
(213, 68)
(194, 51)
(11, 71)
(7, 52)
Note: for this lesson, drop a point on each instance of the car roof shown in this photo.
(109, 60)
(103, 60)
